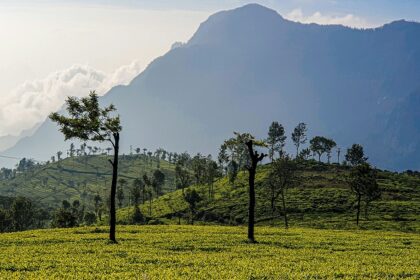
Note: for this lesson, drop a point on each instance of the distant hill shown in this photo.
(246, 67)
(81, 178)
(322, 200)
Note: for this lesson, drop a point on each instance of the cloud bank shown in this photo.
(317, 17)
(33, 101)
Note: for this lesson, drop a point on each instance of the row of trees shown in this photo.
(240, 153)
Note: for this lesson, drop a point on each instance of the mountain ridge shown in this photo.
(240, 76)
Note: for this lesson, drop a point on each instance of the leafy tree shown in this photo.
(148, 191)
(89, 218)
(88, 122)
(276, 140)
(5, 220)
(299, 136)
(233, 170)
(65, 204)
(363, 184)
(182, 177)
(321, 145)
(158, 181)
(192, 198)
(137, 216)
(373, 192)
(59, 154)
(66, 216)
(22, 213)
(304, 154)
(355, 155)
(137, 190)
(283, 175)
(198, 165)
(212, 172)
(255, 158)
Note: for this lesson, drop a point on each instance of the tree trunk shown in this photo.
(251, 208)
(255, 158)
(358, 209)
(286, 223)
(113, 218)
(297, 151)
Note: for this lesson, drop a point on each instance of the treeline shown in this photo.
(20, 213)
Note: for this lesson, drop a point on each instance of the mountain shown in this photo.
(246, 67)
(9, 141)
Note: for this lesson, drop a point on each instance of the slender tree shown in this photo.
(299, 136)
(363, 184)
(158, 181)
(88, 122)
(192, 198)
(283, 175)
(182, 177)
(275, 140)
(252, 170)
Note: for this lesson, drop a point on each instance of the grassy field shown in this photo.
(208, 252)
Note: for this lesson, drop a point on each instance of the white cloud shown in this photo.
(31, 102)
(317, 17)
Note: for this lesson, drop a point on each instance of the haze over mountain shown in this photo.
(246, 67)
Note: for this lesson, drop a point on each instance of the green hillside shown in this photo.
(322, 200)
(80, 178)
(209, 252)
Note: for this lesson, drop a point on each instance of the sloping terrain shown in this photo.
(81, 178)
(322, 200)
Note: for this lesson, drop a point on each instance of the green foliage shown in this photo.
(87, 121)
(275, 140)
(321, 145)
(299, 136)
(355, 155)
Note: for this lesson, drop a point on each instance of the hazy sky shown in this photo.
(51, 49)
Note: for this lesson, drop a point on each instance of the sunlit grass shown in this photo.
(208, 252)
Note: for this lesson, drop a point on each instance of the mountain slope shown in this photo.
(246, 67)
